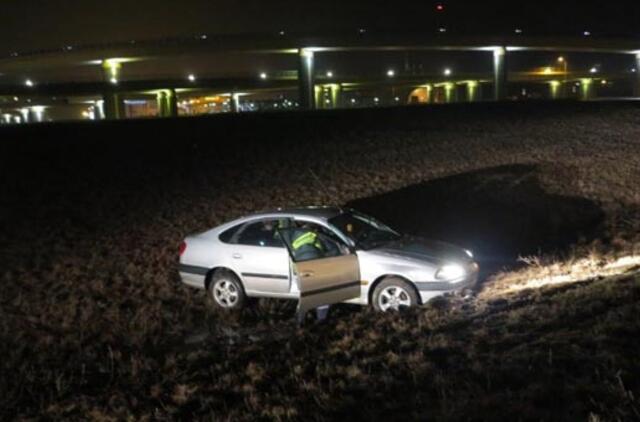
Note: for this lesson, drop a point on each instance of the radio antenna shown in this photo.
(324, 189)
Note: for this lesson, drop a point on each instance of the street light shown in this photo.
(329, 74)
(593, 70)
(191, 77)
(263, 75)
(447, 72)
(391, 73)
(28, 83)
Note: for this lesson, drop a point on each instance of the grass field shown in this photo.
(95, 324)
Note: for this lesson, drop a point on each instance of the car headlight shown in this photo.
(451, 272)
(469, 253)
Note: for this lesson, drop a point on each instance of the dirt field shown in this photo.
(95, 324)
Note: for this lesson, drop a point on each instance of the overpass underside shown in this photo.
(113, 97)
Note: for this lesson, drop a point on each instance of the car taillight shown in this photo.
(183, 247)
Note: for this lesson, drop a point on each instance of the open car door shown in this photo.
(326, 270)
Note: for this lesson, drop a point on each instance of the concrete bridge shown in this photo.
(72, 72)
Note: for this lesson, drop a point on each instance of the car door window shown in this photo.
(308, 241)
(262, 233)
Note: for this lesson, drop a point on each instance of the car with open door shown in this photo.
(320, 256)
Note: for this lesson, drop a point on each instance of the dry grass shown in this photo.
(94, 323)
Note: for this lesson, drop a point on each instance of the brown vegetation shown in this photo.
(95, 324)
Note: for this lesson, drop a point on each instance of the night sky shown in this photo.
(27, 25)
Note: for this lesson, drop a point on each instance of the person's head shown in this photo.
(268, 225)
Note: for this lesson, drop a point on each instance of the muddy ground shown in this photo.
(95, 324)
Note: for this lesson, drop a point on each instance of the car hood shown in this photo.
(417, 248)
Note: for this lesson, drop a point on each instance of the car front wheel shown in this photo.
(393, 294)
(226, 291)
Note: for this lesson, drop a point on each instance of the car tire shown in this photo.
(226, 291)
(393, 294)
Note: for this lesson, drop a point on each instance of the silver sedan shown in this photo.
(321, 256)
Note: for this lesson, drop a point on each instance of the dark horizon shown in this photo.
(57, 24)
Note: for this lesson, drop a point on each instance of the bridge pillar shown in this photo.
(586, 89)
(234, 102)
(172, 99)
(500, 73)
(306, 79)
(472, 91)
(450, 93)
(162, 104)
(25, 114)
(167, 102)
(637, 81)
(113, 106)
(555, 90)
(336, 96)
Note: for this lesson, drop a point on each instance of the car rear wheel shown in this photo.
(393, 294)
(226, 291)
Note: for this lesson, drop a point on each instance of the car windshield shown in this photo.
(366, 232)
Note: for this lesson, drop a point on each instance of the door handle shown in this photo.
(307, 274)
(237, 256)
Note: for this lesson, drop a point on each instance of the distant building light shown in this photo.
(440, 7)
(397, 99)
(518, 31)
(560, 59)
(587, 33)
(604, 82)
(281, 33)
(203, 37)
(593, 70)
(353, 101)
(634, 70)
(376, 100)
(362, 30)
(263, 75)
(329, 74)
(191, 77)
(113, 80)
(28, 83)
(447, 72)
(442, 30)
(16, 99)
(391, 73)
(69, 47)
(15, 54)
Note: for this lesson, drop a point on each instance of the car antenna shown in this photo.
(324, 189)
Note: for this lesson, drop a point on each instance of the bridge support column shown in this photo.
(306, 79)
(336, 96)
(113, 106)
(555, 90)
(637, 81)
(319, 97)
(586, 89)
(172, 99)
(25, 114)
(162, 104)
(450, 92)
(234, 102)
(500, 73)
(167, 102)
(472, 91)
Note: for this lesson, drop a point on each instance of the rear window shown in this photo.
(227, 235)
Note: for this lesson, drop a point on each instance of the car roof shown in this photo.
(322, 212)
